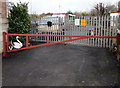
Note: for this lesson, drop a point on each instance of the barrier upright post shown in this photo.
(26, 41)
(118, 43)
(47, 39)
(4, 43)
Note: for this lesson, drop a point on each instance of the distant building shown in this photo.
(40, 24)
(115, 22)
(114, 14)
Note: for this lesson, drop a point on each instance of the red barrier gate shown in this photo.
(77, 37)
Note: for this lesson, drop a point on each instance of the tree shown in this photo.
(77, 13)
(49, 13)
(69, 12)
(19, 20)
(83, 14)
(118, 26)
(93, 12)
(119, 6)
(111, 8)
(102, 10)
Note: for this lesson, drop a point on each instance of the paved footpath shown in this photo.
(61, 65)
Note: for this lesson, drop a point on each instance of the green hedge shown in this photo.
(19, 20)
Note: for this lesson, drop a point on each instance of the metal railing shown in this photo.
(48, 41)
(100, 26)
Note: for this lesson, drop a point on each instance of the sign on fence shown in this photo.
(71, 22)
(77, 22)
(77, 26)
(82, 22)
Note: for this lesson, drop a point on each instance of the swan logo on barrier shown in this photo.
(15, 45)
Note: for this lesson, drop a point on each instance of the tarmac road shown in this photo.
(61, 65)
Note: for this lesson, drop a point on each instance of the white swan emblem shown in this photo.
(16, 45)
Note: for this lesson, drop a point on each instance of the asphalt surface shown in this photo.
(61, 65)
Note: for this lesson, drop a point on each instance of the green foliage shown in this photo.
(49, 13)
(119, 6)
(83, 14)
(19, 20)
(69, 12)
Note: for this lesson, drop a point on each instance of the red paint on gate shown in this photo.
(118, 39)
(47, 39)
(118, 43)
(5, 40)
(27, 41)
(4, 43)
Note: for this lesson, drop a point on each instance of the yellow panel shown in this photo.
(82, 22)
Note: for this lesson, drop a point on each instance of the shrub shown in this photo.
(19, 20)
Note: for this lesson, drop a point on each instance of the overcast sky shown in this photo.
(62, 6)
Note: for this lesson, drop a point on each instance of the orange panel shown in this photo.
(82, 22)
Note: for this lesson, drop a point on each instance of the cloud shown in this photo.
(44, 6)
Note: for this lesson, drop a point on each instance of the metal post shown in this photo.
(47, 39)
(118, 43)
(70, 38)
(4, 43)
(118, 37)
(26, 41)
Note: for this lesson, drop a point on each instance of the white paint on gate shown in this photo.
(98, 26)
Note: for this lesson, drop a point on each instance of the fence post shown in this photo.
(4, 43)
(118, 43)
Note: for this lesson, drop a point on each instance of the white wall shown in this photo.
(114, 14)
(3, 28)
(0, 30)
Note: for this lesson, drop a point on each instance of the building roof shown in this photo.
(115, 12)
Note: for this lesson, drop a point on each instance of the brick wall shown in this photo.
(3, 8)
(4, 11)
